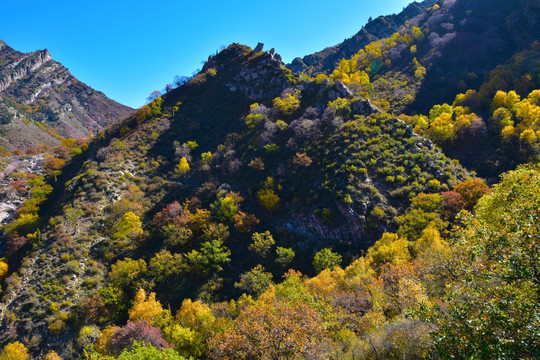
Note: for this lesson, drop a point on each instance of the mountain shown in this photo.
(326, 61)
(35, 88)
(451, 53)
(244, 147)
(257, 213)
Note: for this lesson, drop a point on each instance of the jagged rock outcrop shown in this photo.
(41, 89)
(257, 79)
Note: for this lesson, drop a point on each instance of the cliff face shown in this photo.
(35, 87)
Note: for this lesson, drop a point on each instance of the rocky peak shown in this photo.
(70, 107)
(19, 65)
(257, 74)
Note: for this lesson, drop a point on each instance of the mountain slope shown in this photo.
(197, 177)
(35, 87)
(448, 49)
(326, 61)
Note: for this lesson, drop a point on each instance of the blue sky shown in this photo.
(129, 48)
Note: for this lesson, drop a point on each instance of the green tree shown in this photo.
(326, 259)
(225, 208)
(285, 256)
(492, 306)
(211, 258)
(262, 243)
(255, 281)
(143, 351)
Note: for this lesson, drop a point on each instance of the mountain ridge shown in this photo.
(326, 60)
(35, 87)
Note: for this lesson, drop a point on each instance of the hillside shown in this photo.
(36, 89)
(452, 53)
(249, 161)
(327, 60)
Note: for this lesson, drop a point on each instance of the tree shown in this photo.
(195, 324)
(125, 274)
(271, 330)
(225, 208)
(471, 191)
(452, 204)
(268, 199)
(255, 281)
(153, 95)
(143, 351)
(302, 160)
(145, 309)
(3, 269)
(183, 167)
(54, 165)
(139, 331)
(14, 351)
(287, 103)
(52, 355)
(326, 259)
(256, 164)
(129, 227)
(165, 265)
(284, 256)
(416, 220)
(211, 258)
(261, 243)
(87, 336)
(492, 306)
(390, 248)
(243, 222)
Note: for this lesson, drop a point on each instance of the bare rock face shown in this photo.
(56, 98)
(259, 47)
(255, 74)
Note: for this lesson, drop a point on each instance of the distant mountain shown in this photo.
(36, 88)
(325, 61)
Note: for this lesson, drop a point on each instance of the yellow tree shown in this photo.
(14, 351)
(144, 309)
(183, 167)
(389, 249)
(130, 226)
